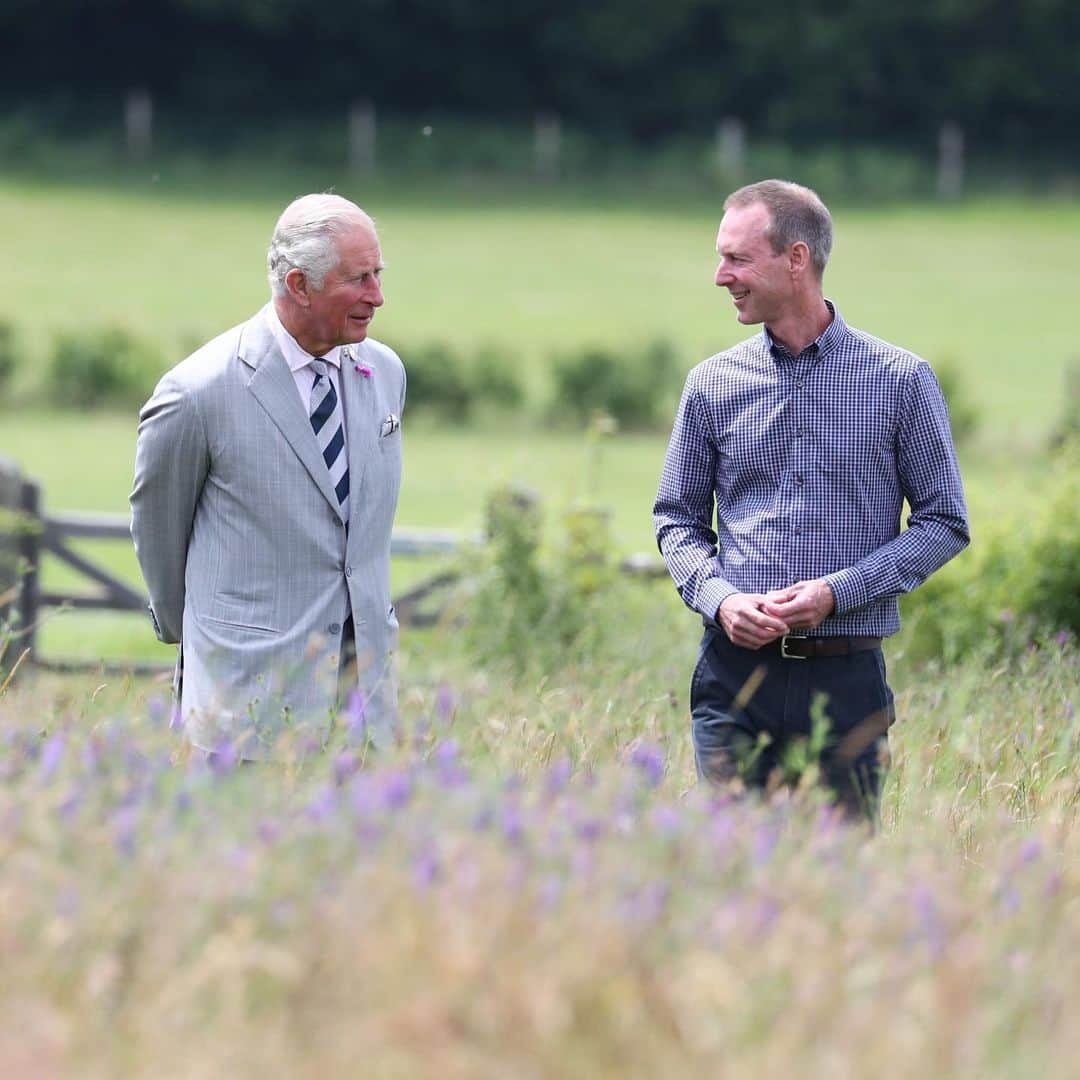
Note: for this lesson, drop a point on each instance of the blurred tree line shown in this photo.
(800, 70)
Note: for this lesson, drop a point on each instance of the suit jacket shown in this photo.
(242, 543)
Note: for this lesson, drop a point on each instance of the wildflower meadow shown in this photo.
(532, 883)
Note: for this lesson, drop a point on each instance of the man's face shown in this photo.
(343, 308)
(759, 280)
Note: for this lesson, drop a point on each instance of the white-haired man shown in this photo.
(804, 441)
(267, 471)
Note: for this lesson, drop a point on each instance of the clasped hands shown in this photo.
(754, 619)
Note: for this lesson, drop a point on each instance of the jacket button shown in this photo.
(348, 571)
(334, 628)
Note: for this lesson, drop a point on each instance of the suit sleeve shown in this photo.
(171, 462)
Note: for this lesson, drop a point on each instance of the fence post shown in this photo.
(362, 137)
(20, 551)
(547, 144)
(731, 148)
(950, 183)
(139, 124)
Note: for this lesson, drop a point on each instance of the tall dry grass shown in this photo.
(532, 885)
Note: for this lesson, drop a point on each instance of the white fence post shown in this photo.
(139, 124)
(731, 147)
(950, 182)
(547, 144)
(362, 137)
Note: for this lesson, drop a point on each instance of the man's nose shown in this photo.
(374, 293)
(723, 276)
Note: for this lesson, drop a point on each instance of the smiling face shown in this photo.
(340, 312)
(760, 281)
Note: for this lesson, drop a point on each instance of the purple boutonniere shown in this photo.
(363, 369)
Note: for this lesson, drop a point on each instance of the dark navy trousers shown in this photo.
(752, 716)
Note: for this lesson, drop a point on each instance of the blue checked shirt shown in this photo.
(807, 461)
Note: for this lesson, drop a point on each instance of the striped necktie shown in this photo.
(328, 422)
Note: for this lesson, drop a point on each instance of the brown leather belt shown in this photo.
(791, 647)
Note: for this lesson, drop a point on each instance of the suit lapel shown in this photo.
(274, 388)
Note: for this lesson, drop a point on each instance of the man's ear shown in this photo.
(799, 258)
(296, 283)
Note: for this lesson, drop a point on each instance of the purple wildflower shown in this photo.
(356, 716)
(1029, 851)
(426, 869)
(650, 761)
(590, 829)
(323, 805)
(125, 828)
(930, 924)
(52, 753)
(364, 794)
(558, 776)
(268, 830)
(512, 824)
(70, 806)
(445, 703)
(345, 765)
(765, 840)
(397, 790)
(666, 820)
(223, 758)
(646, 904)
(446, 753)
(1008, 897)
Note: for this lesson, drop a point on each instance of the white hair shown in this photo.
(305, 238)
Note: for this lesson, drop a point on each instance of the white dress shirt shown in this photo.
(299, 362)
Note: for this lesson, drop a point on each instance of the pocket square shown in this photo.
(389, 426)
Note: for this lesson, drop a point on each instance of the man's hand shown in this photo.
(747, 623)
(803, 606)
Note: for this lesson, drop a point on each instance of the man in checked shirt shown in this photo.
(806, 440)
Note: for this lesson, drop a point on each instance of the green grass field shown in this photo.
(178, 263)
(985, 287)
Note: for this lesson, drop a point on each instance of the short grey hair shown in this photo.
(795, 213)
(305, 238)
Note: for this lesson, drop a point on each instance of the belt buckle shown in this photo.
(784, 654)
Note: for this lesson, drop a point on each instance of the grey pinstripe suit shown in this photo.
(243, 547)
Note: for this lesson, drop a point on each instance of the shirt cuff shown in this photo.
(848, 589)
(713, 593)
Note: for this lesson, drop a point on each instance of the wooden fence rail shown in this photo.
(26, 534)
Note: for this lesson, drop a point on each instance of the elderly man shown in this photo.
(806, 440)
(266, 479)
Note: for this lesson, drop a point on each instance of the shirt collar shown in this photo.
(829, 338)
(294, 355)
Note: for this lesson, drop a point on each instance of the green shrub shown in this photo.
(537, 614)
(107, 366)
(453, 387)
(495, 380)
(637, 387)
(1068, 426)
(1019, 582)
(7, 355)
(963, 416)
